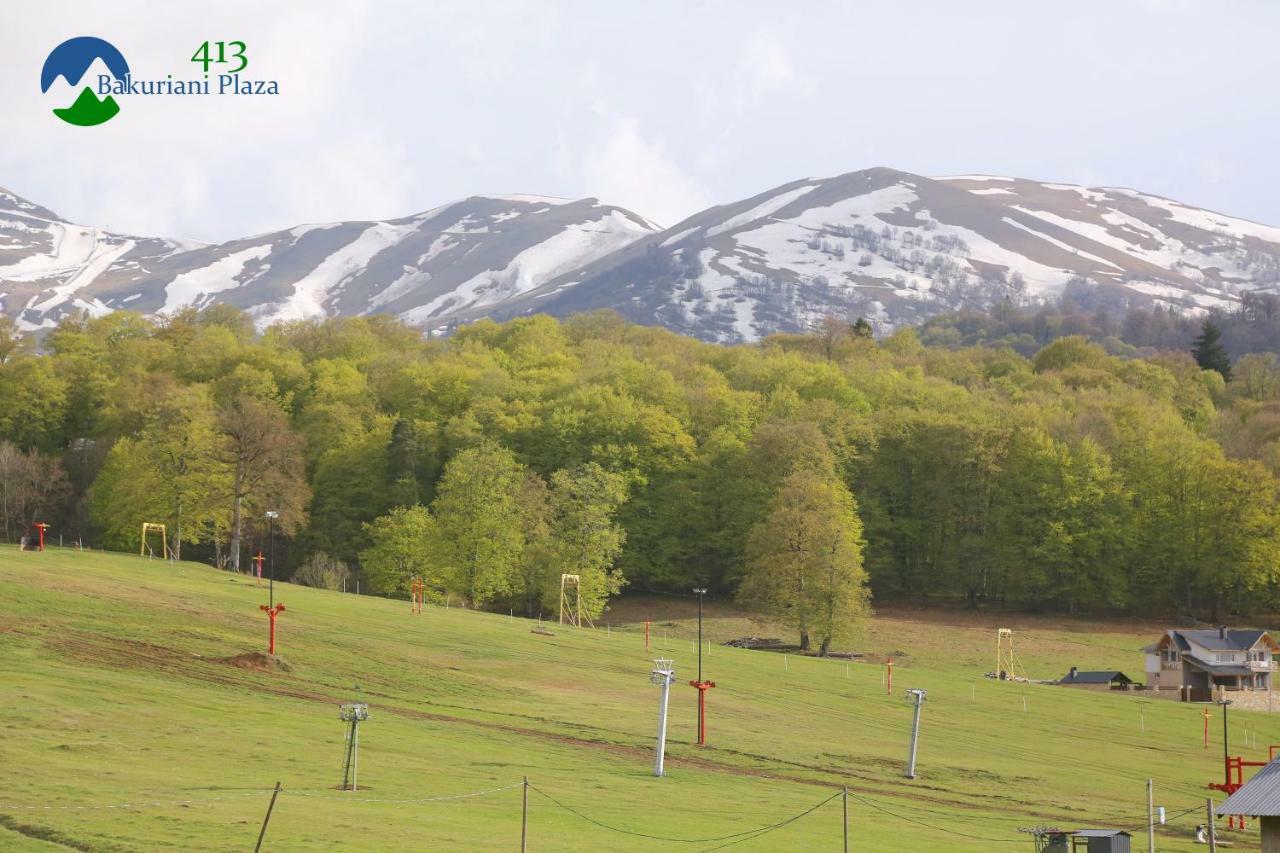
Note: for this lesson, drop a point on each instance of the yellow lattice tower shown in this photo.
(571, 601)
(148, 527)
(1008, 667)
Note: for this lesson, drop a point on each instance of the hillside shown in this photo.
(116, 693)
(892, 246)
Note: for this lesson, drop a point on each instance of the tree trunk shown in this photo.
(825, 648)
(177, 535)
(804, 641)
(235, 531)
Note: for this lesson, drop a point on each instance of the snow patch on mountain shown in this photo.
(198, 286)
(73, 247)
(576, 245)
(760, 211)
(312, 290)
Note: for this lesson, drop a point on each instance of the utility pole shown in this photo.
(664, 672)
(1151, 821)
(272, 515)
(916, 697)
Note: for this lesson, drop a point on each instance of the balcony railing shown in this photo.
(1262, 665)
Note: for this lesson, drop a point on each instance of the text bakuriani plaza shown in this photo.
(224, 84)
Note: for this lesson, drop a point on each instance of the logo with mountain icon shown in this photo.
(70, 61)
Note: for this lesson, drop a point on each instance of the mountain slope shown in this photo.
(897, 248)
(470, 254)
(50, 267)
(888, 245)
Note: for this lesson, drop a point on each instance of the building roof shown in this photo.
(1232, 641)
(1099, 833)
(1077, 677)
(1218, 668)
(1218, 639)
(1259, 797)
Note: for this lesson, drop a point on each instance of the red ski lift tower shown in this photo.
(1233, 767)
(258, 560)
(40, 527)
(272, 612)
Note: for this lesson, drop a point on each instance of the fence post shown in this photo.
(262, 834)
(845, 803)
(1151, 821)
(524, 817)
(1213, 842)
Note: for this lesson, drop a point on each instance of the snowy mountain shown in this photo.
(471, 254)
(897, 248)
(887, 245)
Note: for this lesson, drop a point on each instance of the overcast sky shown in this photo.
(662, 107)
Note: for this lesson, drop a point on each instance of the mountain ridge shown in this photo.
(881, 243)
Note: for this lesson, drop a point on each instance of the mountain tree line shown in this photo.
(801, 475)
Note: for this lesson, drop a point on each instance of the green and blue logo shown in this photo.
(70, 61)
(97, 104)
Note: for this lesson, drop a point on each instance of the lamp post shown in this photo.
(703, 686)
(272, 515)
(1226, 760)
(700, 591)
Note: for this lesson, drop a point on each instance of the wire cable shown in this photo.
(444, 798)
(941, 829)
(766, 830)
(740, 836)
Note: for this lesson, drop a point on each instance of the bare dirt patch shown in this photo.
(257, 662)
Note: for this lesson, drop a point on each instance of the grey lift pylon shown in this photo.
(915, 697)
(353, 713)
(664, 672)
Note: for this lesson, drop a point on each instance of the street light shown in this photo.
(699, 591)
(1226, 760)
(703, 686)
(272, 515)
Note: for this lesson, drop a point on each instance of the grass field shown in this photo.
(114, 692)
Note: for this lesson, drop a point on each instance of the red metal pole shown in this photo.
(889, 678)
(272, 612)
(702, 716)
(703, 687)
(258, 559)
(41, 528)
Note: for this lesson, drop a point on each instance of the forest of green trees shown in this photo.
(803, 475)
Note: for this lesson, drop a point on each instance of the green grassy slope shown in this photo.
(113, 693)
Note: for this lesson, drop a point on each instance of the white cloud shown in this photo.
(358, 175)
(767, 64)
(635, 172)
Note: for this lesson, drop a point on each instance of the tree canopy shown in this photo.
(1070, 474)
